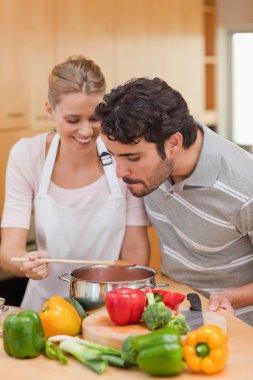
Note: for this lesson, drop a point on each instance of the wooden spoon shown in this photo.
(115, 263)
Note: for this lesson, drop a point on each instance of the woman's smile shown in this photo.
(83, 140)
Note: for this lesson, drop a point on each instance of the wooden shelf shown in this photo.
(210, 60)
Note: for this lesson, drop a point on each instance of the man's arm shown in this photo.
(232, 299)
(242, 296)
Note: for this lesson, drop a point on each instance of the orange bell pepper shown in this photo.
(205, 349)
(58, 317)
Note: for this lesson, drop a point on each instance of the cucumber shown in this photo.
(80, 310)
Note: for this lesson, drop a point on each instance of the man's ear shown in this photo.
(173, 144)
(50, 110)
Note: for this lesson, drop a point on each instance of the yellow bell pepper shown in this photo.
(58, 317)
(205, 349)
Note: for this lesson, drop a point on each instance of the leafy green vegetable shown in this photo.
(115, 361)
(100, 347)
(158, 297)
(89, 357)
(179, 323)
(156, 315)
(52, 351)
(129, 352)
(95, 356)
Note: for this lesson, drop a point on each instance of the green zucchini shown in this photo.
(80, 310)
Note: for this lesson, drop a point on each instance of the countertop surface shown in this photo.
(239, 365)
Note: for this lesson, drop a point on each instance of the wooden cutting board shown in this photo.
(99, 328)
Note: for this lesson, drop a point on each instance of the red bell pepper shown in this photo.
(125, 305)
(170, 299)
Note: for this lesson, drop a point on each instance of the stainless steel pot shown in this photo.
(88, 285)
(5, 310)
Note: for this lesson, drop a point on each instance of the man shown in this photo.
(197, 187)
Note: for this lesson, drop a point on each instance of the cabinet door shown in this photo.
(14, 53)
(210, 25)
(26, 51)
(87, 28)
(163, 38)
(41, 41)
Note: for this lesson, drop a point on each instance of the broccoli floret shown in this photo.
(156, 316)
(179, 323)
(158, 297)
(128, 351)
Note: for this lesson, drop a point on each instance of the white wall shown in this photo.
(232, 16)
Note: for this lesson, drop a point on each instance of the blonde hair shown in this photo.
(76, 74)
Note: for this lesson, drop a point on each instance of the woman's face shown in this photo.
(75, 120)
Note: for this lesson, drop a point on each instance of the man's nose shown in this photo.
(122, 169)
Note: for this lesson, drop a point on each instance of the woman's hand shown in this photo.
(32, 269)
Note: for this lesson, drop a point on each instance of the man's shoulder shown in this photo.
(157, 196)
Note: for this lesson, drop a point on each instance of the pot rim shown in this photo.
(151, 271)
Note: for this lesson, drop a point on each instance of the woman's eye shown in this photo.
(72, 121)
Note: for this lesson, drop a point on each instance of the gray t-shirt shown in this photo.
(205, 223)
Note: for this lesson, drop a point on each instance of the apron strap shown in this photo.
(49, 165)
(104, 155)
(106, 159)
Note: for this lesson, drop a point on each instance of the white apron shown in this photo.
(92, 232)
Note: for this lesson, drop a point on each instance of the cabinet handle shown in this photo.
(15, 114)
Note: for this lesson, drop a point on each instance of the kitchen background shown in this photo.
(185, 42)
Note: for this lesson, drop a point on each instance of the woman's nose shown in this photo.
(85, 128)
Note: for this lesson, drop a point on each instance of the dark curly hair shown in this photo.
(146, 108)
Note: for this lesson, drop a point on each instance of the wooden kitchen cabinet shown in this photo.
(14, 53)
(88, 28)
(26, 56)
(210, 61)
(127, 38)
(42, 58)
(163, 38)
(133, 38)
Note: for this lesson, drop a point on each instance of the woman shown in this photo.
(82, 211)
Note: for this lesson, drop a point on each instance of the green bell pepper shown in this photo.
(159, 353)
(163, 360)
(23, 335)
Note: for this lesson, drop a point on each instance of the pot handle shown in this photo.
(63, 277)
(158, 285)
(162, 285)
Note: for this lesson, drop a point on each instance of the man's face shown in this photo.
(139, 166)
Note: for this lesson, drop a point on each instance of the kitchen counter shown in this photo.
(240, 363)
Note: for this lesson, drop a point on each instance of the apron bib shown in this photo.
(92, 232)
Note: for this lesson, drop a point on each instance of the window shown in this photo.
(242, 88)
